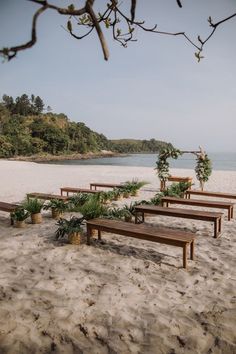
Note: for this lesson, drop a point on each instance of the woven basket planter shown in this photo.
(56, 214)
(36, 218)
(74, 238)
(20, 224)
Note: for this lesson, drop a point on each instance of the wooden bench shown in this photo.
(46, 196)
(175, 179)
(180, 213)
(210, 194)
(166, 236)
(8, 208)
(200, 202)
(68, 190)
(106, 185)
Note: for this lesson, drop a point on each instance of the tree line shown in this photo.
(25, 130)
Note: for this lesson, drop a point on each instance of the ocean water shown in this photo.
(220, 161)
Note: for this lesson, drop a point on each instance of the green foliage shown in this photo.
(162, 165)
(23, 105)
(20, 214)
(175, 190)
(138, 146)
(114, 213)
(56, 204)
(93, 208)
(77, 200)
(131, 187)
(67, 227)
(25, 130)
(203, 168)
(33, 205)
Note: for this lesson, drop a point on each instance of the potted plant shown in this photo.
(114, 213)
(93, 208)
(19, 216)
(126, 190)
(117, 194)
(57, 206)
(34, 207)
(77, 200)
(71, 228)
(129, 211)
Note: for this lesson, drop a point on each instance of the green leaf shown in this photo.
(69, 26)
(71, 7)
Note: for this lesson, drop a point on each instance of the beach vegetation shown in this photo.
(57, 206)
(20, 214)
(25, 130)
(93, 208)
(71, 228)
(34, 207)
(176, 190)
(77, 200)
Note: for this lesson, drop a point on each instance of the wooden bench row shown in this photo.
(46, 196)
(166, 236)
(200, 202)
(141, 210)
(68, 190)
(189, 193)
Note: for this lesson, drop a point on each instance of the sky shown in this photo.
(155, 88)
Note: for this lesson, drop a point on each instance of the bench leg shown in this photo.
(219, 225)
(192, 250)
(185, 256)
(12, 220)
(99, 235)
(232, 212)
(89, 232)
(215, 228)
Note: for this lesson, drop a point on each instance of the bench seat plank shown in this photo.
(200, 202)
(68, 190)
(8, 208)
(181, 213)
(166, 236)
(46, 196)
(106, 185)
(210, 194)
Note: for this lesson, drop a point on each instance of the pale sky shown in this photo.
(153, 89)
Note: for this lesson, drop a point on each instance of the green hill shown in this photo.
(25, 130)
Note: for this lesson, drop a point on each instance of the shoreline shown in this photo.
(48, 157)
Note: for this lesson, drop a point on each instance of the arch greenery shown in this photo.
(203, 167)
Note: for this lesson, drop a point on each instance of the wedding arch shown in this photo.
(203, 168)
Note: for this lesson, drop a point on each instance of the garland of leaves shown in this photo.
(162, 163)
(203, 169)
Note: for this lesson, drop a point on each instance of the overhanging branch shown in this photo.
(113, 18)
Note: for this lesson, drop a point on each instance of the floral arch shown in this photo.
(203, 168)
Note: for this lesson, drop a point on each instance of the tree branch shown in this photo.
(112, 16)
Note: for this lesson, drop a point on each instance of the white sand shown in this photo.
(121, 295)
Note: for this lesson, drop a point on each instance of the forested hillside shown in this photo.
(26, 130)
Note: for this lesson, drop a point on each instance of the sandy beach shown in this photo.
(120, 295)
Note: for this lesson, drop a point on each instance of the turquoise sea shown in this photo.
(220, 161)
